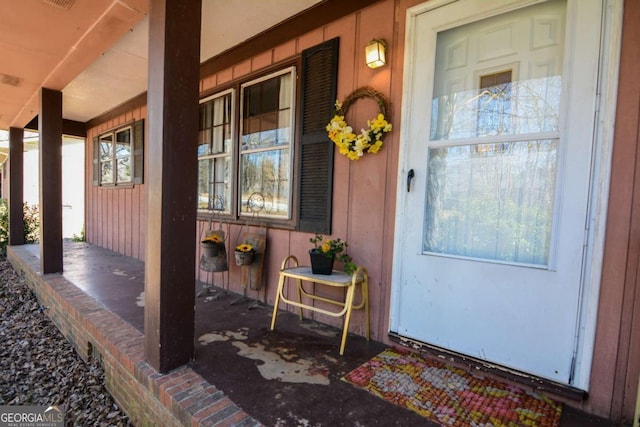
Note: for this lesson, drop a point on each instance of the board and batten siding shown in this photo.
(115, 216)
(364, 198)
(363, 192)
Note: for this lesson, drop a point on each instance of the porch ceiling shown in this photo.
(95, 51)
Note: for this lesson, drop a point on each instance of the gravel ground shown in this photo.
(39, 367)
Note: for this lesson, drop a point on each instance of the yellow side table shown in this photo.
(338, 279)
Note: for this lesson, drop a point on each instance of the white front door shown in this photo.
(498, 123)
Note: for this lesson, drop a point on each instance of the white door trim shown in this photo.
(603, 145)
(612, 13)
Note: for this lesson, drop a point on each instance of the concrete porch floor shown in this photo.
(287, 377)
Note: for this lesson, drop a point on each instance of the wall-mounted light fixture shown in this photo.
(375, 52)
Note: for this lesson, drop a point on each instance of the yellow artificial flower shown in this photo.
(354, 146)
(245, 247)
(375, 147)
(213, 238)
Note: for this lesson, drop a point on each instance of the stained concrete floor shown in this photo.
(287, 377)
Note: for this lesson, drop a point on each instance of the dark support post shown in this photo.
(50, 127)
(16, 186)
(172, 106)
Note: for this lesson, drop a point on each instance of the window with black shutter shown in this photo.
(315, 172)
(250, 157)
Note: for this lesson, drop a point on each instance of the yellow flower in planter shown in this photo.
(213, 238)
(244, 254)
(245, 247)
(335, 249)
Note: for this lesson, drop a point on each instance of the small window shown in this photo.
(118, 156)
(115, 157)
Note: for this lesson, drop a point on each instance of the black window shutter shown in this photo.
(96, 160)
(138, 152)
(318, 81)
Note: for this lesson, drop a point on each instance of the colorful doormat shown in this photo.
(451, 396)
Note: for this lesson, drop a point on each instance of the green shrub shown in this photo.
(31, 225)
(78, 237)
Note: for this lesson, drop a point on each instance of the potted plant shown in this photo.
(325, 252)
(244, 254)
(211, 245)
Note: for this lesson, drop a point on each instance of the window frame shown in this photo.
(312, 155)
(136, 155)
(114, 158)
(212, 156)
(292, 71)
(234, 213)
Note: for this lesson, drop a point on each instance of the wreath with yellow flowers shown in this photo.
(368, 140)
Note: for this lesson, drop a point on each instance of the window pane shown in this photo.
(284, 126)
(265, 176)
(206, 110)
(106, 147)
(269, 97)
(215, 126)
(491, 201)
(218, 140)
(214, 189)
(204, 142)
(221, 185)
(123, 143)
(124, 169)
(106, 172)
(227, 138)
(203, 184)
(123, 155)
(267, 113)
(514, 108)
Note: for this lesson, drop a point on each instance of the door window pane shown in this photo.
(491, 201)
(514, 108)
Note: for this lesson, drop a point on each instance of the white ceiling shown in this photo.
(121, 72)
(97, 54)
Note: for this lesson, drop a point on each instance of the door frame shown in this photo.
(607, 81)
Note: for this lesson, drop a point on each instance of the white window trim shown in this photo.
(291, 146)
(232, 155)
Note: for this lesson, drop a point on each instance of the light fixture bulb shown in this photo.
(375, 53)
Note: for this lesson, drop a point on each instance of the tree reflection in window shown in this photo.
(265, 167)
(494, 104)
(504, 108)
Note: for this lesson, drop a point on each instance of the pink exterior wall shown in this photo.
(365, 197)
(115, 217)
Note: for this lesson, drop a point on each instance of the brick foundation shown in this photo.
(179, 398)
